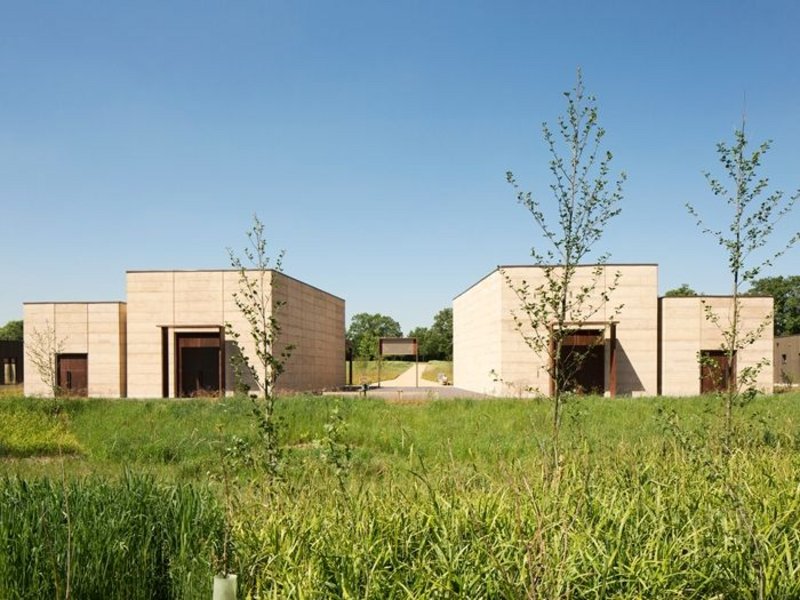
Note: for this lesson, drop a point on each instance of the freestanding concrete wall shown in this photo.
(96, 329)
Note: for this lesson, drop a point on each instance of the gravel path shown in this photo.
(408, 378)
(403, 388)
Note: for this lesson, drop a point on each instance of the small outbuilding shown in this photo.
(86, 341)
(692, 360)
(170, 339)
(634, 343)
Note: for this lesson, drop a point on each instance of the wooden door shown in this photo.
(73, 374)
(714, 371)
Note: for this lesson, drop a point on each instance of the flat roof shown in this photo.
(76, 302)
(231, 270)
(741, 296)
(542, 266)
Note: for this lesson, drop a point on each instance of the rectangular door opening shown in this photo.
(198, 364)
(583, 358)
(72, 375)
(715, 372)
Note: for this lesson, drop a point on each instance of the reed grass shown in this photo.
(93, 538)
(641, 524)
(441, 499)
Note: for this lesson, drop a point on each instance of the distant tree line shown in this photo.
(434, 342)
(11, 332)
(366, 329)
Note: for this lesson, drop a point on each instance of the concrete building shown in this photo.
(88, 339)
(687, 333)
(787, 359)
(636, 343)
(170, 337)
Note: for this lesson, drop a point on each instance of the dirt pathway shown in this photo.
(408, 378)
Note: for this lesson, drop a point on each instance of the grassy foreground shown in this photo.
(440, 499)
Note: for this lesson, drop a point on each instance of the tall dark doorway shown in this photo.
(714, 371)
(198, 364)
(73, 374)
(583, 357)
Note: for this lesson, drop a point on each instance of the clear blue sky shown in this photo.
(371, 137)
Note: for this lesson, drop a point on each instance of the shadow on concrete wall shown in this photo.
(241, 381)
(628, 380)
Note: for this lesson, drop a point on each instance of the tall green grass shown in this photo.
(442, 498)
(642, 524)
(93, 538)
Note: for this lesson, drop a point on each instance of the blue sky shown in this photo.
(372, 138)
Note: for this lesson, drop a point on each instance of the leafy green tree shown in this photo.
(786, 293)
(436, 342)
(366, 329)
(752, 218)
(11, 332)
(422, 334)
(583, 203)
(684, 291)
(441, 335)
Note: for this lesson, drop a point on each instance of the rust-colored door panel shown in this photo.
(714, 371)
(73, 374)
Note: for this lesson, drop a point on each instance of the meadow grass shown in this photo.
(10, 391)
(435, 367)
(35, 431)
(456, 499)
(366, 371)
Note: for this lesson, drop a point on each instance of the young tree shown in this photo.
(255, 301)
(752, 220)
(42, 350)
(584, 201)
(785, 291)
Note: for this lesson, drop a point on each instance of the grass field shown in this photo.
(10, 391)
(366, 371)
(445, 367)
(439, 499)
